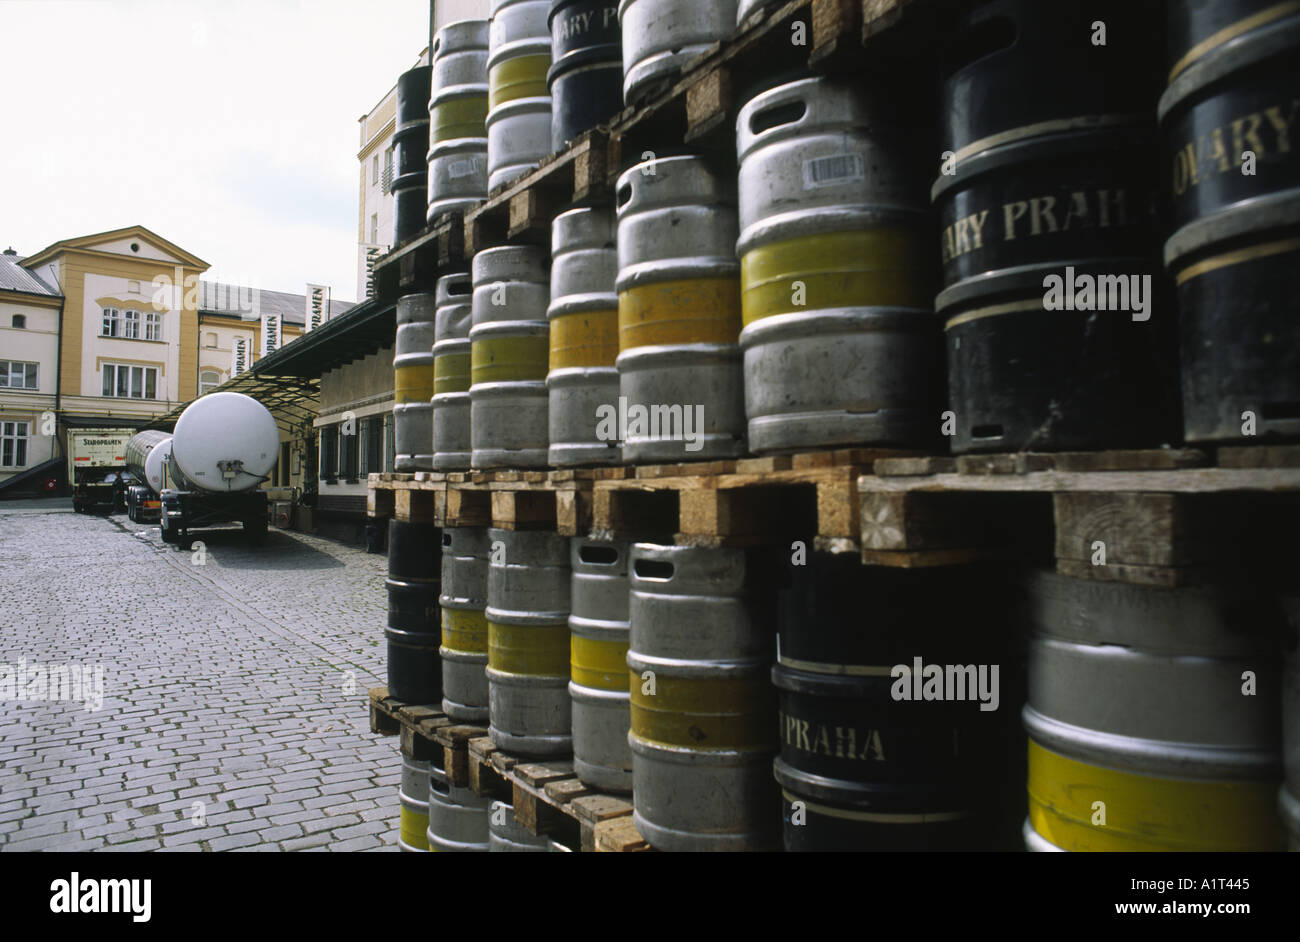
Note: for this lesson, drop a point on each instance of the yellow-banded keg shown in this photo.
(414, 797)
(519, 115)
(464, 649)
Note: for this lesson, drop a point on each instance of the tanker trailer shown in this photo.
(142, 504)
(225, 444)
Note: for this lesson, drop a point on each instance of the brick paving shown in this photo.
(234, 692)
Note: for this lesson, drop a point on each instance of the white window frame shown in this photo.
(374, 228)
(135, 376)
(7, 374)
(374, 170)
(153, 325)
(131, 319)
(207, 387)
(14, 435)
(112, 323)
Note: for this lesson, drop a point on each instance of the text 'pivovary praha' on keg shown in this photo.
(76, 895)
(660, 423)
(1087, 292)
(78, 683)
(921, 681)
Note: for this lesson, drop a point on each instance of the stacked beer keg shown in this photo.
(528, 642)
(450, 407)
(1047, 134)
(839, 342)
(583, 315)
(410, 185)
(413, 828)
(464, 649)
(661, 36)
(586, 75)
(414, 631)
(508, 359)
(1234, 190)
(678, 313)
(413, 383)
(458, 106)
(458, 818)
(1142, 732)
(598, 670)
(519, 115)
(702, 707)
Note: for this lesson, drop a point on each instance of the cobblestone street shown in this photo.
(234, 691)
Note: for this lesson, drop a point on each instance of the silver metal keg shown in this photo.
(458, 176)
(519, 119)
(599, 628)
(458, 109)
(464, 624)
(660, 37)
(679, 311)
(454, 312)
(583, 315)
(747, 8)
(835, 258)
(451, 405)
(511, 283)
(519, 136)
(1136, 700)
(528, 642)
(413, 383)
(458, 818)
(703, 733)
(460, 54)
(506, 835)
(414, 797)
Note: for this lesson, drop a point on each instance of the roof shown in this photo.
(216, 297)
(292, 401)
(365, 329)
(87, 241)
(13, 277)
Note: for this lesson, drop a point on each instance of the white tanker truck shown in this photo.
(224, 445)
(146, 456)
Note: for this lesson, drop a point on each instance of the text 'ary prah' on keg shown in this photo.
(1056, 328)
(598, 685)
(451, 373)
(413, 383)
(702, 735)
(837, 272)
(586, 75)
(1153, 718)
(1232, 169)
(872, 757)
(464, 648)
(582, 384)
(458, 818)
(458, 108)
(528, 642)
(414, 629)
(661, 36)
(519, 104)
(413, 825)
(681, 386)
(410, 186)
(509, 357)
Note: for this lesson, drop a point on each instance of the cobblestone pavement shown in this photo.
(234, 692)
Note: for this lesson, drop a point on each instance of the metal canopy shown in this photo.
(366, 329)
(292, 401)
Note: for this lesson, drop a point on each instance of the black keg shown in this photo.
(1232, 172)
(860, 767)
(586, 74)
(1056, 333)
(410, 186)
(414, 630)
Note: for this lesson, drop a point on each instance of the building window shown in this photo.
(374, 170)
(16, 375)
(374, 447)
(329, 453)
(20, 321)
(112, 323)
(152, 325)
(210, 341)
(131, 324)
(13, 444)
(208, 381)
(285, 466)
(374, 229)
(390, 446)
(388, 170)
(348, 457)
(130, 382)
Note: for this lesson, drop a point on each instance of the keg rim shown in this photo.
(1025, 282)
(824, 220)
(518, 328)
(1256, 215)
(1251, 48)
(469, 27)
(569, 376)
(655, 271)
(455, 146)
(525, 46)
(817, 322)
(849, 795)
(587, 302)
(691, 354)
(519, 106)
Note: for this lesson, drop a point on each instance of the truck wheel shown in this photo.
(78, 507)
(185, 541)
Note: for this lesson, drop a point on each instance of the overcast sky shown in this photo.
(227, 127)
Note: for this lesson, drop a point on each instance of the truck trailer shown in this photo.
(97, 468)
(146, 455)
(224, 445)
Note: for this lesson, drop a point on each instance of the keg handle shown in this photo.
(598, 555)
(446, 538)
(654, 570)
(784, 111)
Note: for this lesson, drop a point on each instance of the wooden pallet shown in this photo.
(522, 211)
(416, 265)
(1166, 517)
(547, 796)
(745, 502)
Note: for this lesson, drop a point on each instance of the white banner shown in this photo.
(239, 358)
(317, 312)
(270, 333)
